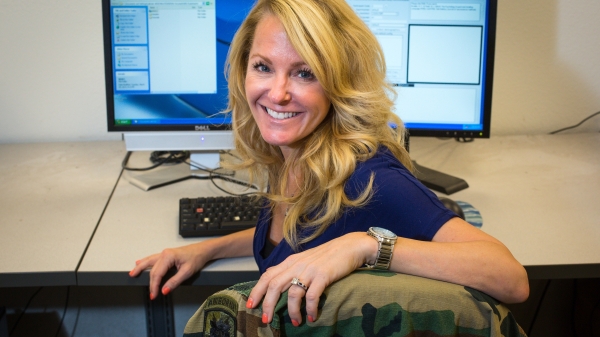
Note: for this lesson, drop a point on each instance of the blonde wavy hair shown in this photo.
(349, 64)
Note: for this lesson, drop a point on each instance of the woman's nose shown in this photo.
(279, 92)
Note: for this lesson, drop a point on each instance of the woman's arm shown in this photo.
(459, 253)
(463, 254)
(191, 258)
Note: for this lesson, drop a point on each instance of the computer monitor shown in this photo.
(166, 88)
(440, 58)
(164, 70)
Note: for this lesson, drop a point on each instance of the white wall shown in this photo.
(52, 81)
(547, 73)
(51, 71)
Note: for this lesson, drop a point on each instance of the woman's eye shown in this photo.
(306, 74)
(261, 67)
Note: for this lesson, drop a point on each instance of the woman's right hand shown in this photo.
(187, 259)
(191, 258)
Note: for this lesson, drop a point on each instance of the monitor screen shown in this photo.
(166, 88)
(164, 67)
(439, 57)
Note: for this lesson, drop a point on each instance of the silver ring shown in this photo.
(296, 282)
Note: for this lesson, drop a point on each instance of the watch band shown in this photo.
(384, 251)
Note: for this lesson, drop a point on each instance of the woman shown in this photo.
(311, 108)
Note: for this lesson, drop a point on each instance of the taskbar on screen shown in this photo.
(178, 121)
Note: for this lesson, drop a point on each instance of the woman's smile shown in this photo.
(280, 115)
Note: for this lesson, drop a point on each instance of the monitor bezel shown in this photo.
(488, 73)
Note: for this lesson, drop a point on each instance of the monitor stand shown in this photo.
(168, 174)
(436, 180)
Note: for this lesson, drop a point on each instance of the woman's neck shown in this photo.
(280, 212)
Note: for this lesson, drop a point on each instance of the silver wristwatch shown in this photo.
(386, 240)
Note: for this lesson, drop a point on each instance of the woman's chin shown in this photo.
(283, 142)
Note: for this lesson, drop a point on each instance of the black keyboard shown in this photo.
(217, 215)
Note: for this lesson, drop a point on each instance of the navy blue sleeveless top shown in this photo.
(399, 203)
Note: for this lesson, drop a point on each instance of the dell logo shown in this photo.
(202, 128)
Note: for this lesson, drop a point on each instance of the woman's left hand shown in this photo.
(316, 268)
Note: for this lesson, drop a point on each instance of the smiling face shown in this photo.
(286, 99)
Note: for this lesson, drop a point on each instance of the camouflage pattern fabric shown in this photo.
(365, 303)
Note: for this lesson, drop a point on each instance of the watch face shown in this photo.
(383, 232)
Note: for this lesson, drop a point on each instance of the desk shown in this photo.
(51, 198)
(139, 223)
(537, 194)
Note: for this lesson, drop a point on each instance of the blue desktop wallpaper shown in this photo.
(188, 109)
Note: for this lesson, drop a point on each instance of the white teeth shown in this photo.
(280, 115)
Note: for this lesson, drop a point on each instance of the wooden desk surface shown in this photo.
(51, 198)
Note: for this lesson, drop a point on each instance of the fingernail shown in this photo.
(265, 318)
(311, 319)
(249, 303)
(131, 273)
(295, 322)
(137, 262)
(152, 296)
(166, 290)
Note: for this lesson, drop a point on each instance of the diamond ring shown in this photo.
(296, 282)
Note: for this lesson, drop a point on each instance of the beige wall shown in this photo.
(547, 66)
(52, 82)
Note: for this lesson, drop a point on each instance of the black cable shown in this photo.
(207, 170)
(576, 125)
(212, 180)
(212, 174)
(199, 167)
(169, 157)
(176, 157)
(24, 309)
(158, 158)
(464, 139)
(62, 319)
(537, 309)
(233, 155)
